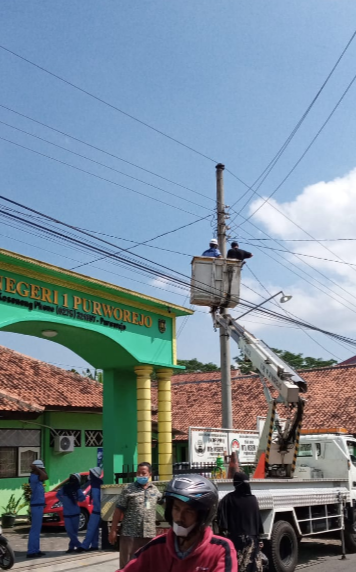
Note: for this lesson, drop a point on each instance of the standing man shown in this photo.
(237, 253)
(91, 541)
(190, 544)
(239, 519)
(213, 251)
(37, 504)
(136, 507)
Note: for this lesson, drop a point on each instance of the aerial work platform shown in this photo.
(215, 282)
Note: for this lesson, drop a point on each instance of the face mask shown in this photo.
(181, 530)
(142, 480)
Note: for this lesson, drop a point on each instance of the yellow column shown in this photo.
(164, 424)
(144, 415)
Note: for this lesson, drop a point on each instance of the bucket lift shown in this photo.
(216, 283)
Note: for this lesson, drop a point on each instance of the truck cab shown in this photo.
(328, 453)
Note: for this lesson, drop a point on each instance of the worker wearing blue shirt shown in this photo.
(69, 495)
(37, 504)
(213, 251)
(91, 541)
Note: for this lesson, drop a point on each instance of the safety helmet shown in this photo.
(200, 493)
(214, 241)
(96, 471)
(38, 463)
(77, 476)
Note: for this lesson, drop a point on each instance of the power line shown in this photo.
(97, 176)
(296, 128)
(290, 313)
(104, 165)
(106, 152)
(307, 255)
(306, 150)
(110, 105)
(305, 263)
(247, 304)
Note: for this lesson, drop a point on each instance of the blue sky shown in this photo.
(231, 81)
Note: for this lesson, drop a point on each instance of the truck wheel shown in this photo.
(284, 547)
(350, 535)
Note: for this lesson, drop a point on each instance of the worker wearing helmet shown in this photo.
(91, 541)
(191, 503)
(69, 495)
(213, 251)
(37, 503)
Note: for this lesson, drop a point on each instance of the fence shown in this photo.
(205, 469)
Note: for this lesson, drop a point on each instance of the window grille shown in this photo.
(76, 433)
(93, 438)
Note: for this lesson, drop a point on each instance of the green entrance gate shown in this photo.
(122, 332)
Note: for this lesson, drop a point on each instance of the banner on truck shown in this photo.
(206, 444)
(245, 445)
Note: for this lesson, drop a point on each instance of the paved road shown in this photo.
(318, 555)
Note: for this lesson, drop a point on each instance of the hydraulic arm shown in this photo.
(278, 444)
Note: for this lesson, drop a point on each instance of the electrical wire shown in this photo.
(296, 128)
(96, 176)
(104, 165)
(106, 103)
(290, 313)
(90, 145)
(178, 280)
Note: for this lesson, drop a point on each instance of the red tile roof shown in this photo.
(27, 384)
(331, 399)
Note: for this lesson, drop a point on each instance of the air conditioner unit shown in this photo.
(64, 444)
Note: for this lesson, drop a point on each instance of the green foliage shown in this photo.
(296, 361)
(195, 366)
(97, 376)
(13, 506)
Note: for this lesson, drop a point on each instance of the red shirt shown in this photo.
(212, 554)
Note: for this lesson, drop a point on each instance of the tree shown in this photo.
(195, 366)
(296, 361)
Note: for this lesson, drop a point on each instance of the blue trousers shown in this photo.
(71, 524)
(92, 535)
(35, 531)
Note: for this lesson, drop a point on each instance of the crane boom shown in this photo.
(279, 447)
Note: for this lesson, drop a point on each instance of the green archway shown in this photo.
(122, 332)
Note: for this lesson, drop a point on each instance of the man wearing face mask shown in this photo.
(136, 507)
(190, 545)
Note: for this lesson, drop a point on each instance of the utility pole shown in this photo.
(225, 359)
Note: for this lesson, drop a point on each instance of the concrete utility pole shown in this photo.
(225, 359)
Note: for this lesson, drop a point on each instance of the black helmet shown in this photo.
(200, 493)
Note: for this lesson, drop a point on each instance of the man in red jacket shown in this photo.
(190, 545)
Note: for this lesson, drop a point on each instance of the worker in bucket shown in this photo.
(37, 503)
(239, 520)
(91, 541)
(213, 251)
(69, 495)
(191, 502)
(236, 253)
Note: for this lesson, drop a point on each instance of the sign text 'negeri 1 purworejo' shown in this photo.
(41, 298)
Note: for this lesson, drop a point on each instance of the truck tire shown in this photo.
(284, 547)
(350, 535)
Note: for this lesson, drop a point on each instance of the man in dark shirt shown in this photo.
(237, 253)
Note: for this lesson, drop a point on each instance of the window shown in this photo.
(18, 449)
(305, 450)
(26, 456)
(351, 445)
(76, 433)
(8, 462)
(93, 438)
